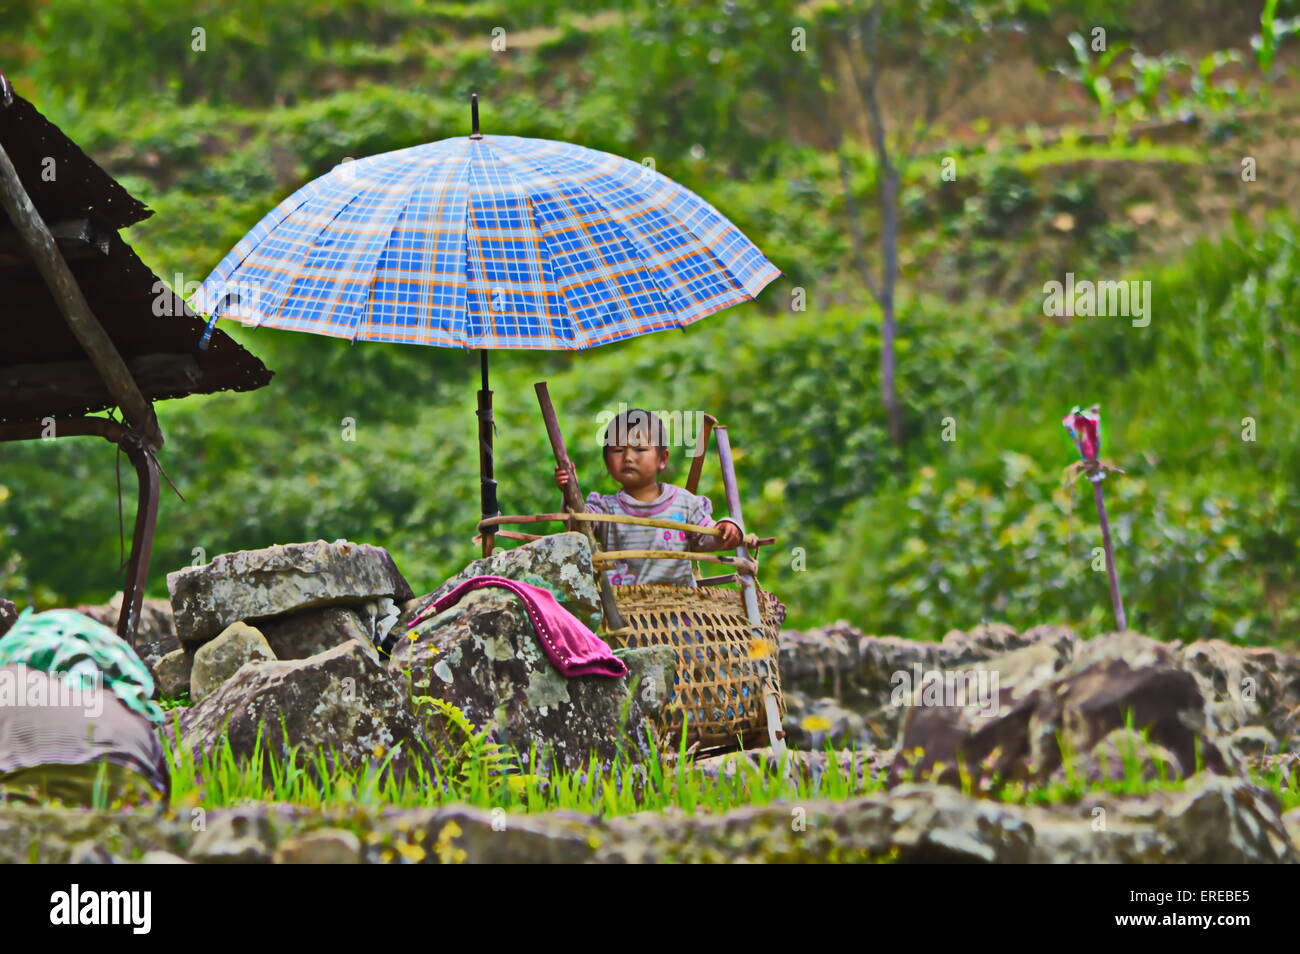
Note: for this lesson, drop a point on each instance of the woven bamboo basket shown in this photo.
(722, 670)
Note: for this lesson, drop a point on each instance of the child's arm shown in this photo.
(592, 504)
(702, 514)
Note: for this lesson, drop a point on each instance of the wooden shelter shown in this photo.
(87, 327)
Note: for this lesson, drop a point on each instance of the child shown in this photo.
(635, 453)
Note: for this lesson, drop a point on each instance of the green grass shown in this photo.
(489, 779)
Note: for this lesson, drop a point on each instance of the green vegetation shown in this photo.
(483, 777)
(913, 538)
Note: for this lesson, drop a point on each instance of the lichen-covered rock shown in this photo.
(863, 673)
(253, 585)
(325, 846)
(809, 723)
(1248, 686)
(483, 656)
(172, 673)
(308, 632)
(1122, 754)
(1214, 820)
(218, 660)
(1017, 733)
(240, 837)
(560, 563)
(339, 702)
(463, 835)
(1252, 743)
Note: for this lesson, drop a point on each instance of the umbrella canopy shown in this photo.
(487, 242)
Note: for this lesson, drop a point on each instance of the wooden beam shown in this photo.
(153, 373)
(76, 238)
(72, 303)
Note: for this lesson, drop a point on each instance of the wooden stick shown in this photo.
(750, 539)
(611, 556)
(1116, 602)
(90, 334)
(701, 448)
(573, 502)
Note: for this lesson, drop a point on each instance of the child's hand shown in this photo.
(731, 535)
(561, 476)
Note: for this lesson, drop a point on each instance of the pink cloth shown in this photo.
(570, 646)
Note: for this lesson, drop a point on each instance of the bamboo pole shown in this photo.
(701, 448)
(750, 539)
(573, 503)
(776, 734)
(613, 556)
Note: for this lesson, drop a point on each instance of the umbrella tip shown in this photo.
(473, 111)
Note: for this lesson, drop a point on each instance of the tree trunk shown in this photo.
(889, 279)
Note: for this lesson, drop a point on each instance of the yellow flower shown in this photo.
(816, 723)
(760, 648)
(378, 750)
(448, 853)
(412, 853)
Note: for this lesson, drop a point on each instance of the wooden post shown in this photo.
(1116, 601)
(72, 303)
(749, 589)
(573, 501)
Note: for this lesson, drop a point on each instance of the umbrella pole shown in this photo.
(487, 485)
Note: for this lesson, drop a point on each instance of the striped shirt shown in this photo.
(673, 503)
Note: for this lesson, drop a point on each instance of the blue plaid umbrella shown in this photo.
(487, 242)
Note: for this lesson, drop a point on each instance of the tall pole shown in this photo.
(487, 483)
(1116, 601)
(1084, 428)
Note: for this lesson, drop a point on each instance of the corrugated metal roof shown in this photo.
(39, 357)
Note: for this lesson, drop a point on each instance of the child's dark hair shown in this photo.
(636, 419)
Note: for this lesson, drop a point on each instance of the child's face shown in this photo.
(638, 463)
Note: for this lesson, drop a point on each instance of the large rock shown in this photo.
(861, 673)
(328, 846)
(1016, 733)
(1249, 686)
(218, 660)
(172, 673)
(483, 656)
(339, 702)
(253, 585)
(308, 632)
(560, 563)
